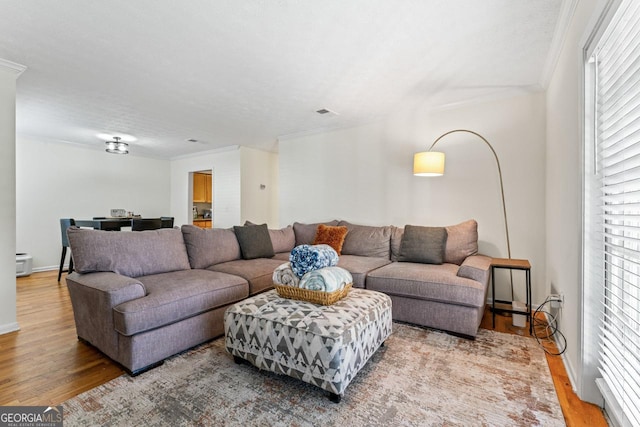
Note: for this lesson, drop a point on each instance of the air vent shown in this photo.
(326, 111)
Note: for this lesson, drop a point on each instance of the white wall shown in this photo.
(364, 175)
(8, 320)
(56, 180)
(259, 205)
(225, 165)
(563, 200)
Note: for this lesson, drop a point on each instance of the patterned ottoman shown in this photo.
(322, 345)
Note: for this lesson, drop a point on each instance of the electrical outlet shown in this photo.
(556, 300)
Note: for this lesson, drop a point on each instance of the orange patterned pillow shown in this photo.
(332, 236)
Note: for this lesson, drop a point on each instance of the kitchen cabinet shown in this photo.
(207, 188)
(202, 223)
(201, 188)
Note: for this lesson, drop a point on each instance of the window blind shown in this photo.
(617, 139)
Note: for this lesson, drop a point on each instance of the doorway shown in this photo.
(202, 198)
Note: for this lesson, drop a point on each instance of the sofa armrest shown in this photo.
(476, 267)
(116, 287)
(93, 297)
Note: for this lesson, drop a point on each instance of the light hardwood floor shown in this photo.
(45, 364)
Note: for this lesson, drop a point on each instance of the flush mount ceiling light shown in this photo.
(123, 136)
(117, 146)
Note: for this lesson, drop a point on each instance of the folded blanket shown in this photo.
(306, 258)
(326, 279)
(284, 275)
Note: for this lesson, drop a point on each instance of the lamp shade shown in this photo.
(428, 163)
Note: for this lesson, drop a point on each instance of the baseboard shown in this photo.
(571, 374)
(9, 327)
(48, 268)
(570, 371)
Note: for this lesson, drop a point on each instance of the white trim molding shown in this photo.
(9, 327)
(567, 10)
(13, 67)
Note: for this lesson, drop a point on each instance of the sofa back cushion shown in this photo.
(283, 239)
(129, 253)
(364, 240)
(207, 247)
(462, 241)
(396, 240)
(306, 233)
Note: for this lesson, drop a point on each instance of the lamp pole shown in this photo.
(504, 206)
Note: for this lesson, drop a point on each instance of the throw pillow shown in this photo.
(254, 241)
(283, 239)
(332, 236)
(423, 244)
(305, 233)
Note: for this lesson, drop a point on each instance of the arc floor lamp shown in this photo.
(431, 163)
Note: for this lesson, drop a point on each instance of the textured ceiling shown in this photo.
(246, 72)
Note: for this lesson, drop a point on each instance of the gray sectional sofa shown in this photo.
(140, 297)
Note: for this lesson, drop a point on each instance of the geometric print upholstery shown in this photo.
(322, 345)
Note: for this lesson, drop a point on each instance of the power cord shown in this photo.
(546, 331)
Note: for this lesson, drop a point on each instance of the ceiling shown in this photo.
(247, 72)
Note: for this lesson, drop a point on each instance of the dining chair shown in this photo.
(167, 221)
(64, 224)
(141, 224)
(108, 225)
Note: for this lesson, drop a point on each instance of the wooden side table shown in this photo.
(511, 264)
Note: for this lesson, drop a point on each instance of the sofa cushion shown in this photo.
(360, 266)
(283, 239)
(366, 240)
(462, 241)
(254, 241)
(305, 233)
(129, 253)
(427, 282)
(423, 244)
(331, 235)
(210, 246)
(396, 240)
(283, 256)
(258, 272)
(175, 296)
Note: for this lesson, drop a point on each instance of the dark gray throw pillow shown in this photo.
(254, 241)
(423, 244)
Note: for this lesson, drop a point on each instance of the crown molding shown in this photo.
(204, 153)
(567, 9)
(12, 67)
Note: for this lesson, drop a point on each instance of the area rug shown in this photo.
(419, 378)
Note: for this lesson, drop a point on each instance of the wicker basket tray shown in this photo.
(316, 297)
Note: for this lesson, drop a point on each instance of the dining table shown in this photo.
(108, 223)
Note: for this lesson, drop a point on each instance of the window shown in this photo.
(612, 206)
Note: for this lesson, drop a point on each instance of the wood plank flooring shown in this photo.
(45, 364)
